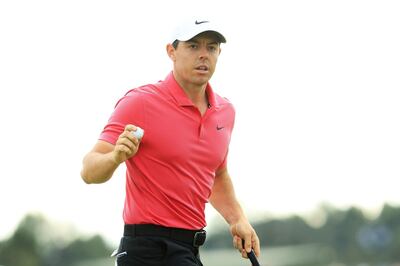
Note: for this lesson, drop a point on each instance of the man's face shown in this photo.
(195, 60)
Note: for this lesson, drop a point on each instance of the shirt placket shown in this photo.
(203, 120)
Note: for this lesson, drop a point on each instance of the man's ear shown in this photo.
(171, 51)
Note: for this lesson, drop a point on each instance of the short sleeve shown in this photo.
(128, 110)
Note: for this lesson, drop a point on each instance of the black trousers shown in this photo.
(156, 251)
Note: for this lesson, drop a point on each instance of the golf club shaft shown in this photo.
(253, 258)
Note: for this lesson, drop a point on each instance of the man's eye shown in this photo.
(193, 46)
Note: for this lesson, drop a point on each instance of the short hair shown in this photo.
(175, 44)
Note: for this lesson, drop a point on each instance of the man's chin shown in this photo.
(201, 79)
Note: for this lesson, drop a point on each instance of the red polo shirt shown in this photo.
(169, 180)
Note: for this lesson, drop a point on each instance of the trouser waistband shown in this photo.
(196, 238)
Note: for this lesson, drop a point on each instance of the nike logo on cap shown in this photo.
(200, 22)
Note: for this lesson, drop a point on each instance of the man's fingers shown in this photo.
(126, 145)
(244, 254)
(247, 243)
(256, 245)
(237, 243)
(245, 239)
(130, 128)
(124, 149)
(129, 132)
(128, 141)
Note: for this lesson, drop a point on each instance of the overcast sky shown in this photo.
(315, 84)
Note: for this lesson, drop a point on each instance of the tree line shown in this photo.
(352, 237)
(36, 243)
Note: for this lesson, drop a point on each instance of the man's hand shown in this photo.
(126, 146)
(242, 231)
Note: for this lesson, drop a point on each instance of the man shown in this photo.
(179, 164)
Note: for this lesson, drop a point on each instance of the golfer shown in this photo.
(179, 162)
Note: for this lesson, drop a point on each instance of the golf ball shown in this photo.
(138, 133)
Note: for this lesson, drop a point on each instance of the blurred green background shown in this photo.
(335, 237)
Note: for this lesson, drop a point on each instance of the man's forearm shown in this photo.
(98, 167)
(232, 212)
(223, 199)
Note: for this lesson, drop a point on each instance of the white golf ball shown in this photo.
(138, 133)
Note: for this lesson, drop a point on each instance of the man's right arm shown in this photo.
(98, 165)
(101, 162)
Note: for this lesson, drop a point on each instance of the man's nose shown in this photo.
(203, 52)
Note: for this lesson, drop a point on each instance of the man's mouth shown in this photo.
(202, 68)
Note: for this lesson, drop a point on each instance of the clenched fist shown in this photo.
(126, 146)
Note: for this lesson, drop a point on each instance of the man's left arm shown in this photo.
(224, 200)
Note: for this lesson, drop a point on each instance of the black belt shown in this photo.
(196, 238)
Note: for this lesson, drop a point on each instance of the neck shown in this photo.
(196, 93)
(198, 96)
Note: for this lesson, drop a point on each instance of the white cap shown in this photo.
(188, 29)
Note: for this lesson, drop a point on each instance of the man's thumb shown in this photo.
(247, 244)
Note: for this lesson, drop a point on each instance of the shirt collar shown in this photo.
(179, 94)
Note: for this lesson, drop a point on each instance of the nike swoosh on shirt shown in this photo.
(219, 128)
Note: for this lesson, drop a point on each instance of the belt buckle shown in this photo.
(199, 238)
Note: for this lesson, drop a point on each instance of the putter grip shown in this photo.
(253, 258)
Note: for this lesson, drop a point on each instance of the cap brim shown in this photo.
(187, 37)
